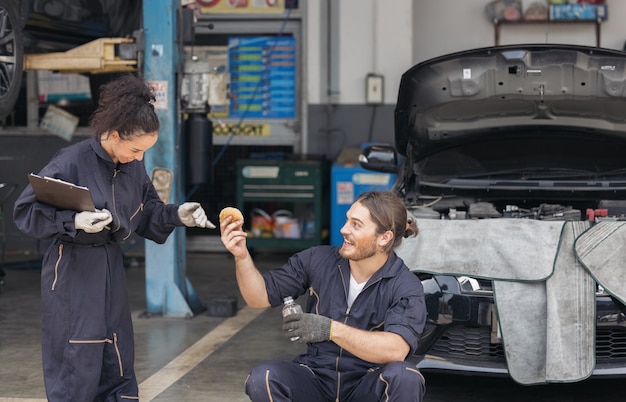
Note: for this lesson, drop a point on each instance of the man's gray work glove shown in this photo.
(303, 328)
(92, 222)
(191, 214)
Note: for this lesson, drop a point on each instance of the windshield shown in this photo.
(541, 156)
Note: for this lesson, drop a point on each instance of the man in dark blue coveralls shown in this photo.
(87, 334)
(364, 313)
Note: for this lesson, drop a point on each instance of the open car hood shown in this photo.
(491, 91)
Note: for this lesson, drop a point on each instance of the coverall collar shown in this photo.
(389, 269)
(102, 154)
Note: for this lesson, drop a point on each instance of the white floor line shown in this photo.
(173, 371)
(151, 387)
(22, 400)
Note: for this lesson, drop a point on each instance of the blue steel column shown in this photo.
(168, 291)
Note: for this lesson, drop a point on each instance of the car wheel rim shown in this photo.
(7, 52)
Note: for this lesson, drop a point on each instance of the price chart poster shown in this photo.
(262, 76)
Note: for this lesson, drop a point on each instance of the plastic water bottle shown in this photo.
(291, 307)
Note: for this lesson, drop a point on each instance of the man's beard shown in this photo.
(359, 251)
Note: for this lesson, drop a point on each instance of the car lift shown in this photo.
(168, 290)
(103, 55)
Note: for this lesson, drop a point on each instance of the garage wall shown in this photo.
(409, 31)
(352, 38)
(438, 30)
(346, 41)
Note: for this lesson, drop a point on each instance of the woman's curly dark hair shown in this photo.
(126, 105)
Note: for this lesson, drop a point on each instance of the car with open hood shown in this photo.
(510, 155)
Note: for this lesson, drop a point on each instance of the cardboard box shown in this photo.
(55, 87)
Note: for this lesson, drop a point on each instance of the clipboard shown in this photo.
(61, 194)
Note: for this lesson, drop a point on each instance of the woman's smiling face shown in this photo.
(126, 151)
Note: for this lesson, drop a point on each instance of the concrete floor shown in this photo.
(208, 358)
(202, 358)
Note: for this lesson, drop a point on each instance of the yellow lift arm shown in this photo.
(103, 55)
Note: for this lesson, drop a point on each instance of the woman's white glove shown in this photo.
(92, 222)
(191, 214)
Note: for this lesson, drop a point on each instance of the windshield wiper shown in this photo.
(616, 172)
(532, 174)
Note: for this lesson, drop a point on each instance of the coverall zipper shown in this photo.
(345, 321)
(105, 340)
(119, 222)
(56, 266)
(130, 232)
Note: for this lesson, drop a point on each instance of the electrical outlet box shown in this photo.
(374, 85)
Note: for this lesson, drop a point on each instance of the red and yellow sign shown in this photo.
(241, 6)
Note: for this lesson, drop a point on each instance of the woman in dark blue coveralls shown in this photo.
(364, 313)
(87, 333)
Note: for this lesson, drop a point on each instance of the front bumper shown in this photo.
(462, 335)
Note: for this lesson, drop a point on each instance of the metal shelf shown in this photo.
(498, 23)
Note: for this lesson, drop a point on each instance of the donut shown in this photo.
(231, 211)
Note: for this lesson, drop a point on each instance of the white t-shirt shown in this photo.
(355, 289)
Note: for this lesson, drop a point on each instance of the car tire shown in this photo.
(11, 56)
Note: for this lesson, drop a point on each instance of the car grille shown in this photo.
(474, 343)
(469, 343)
(610, 344)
